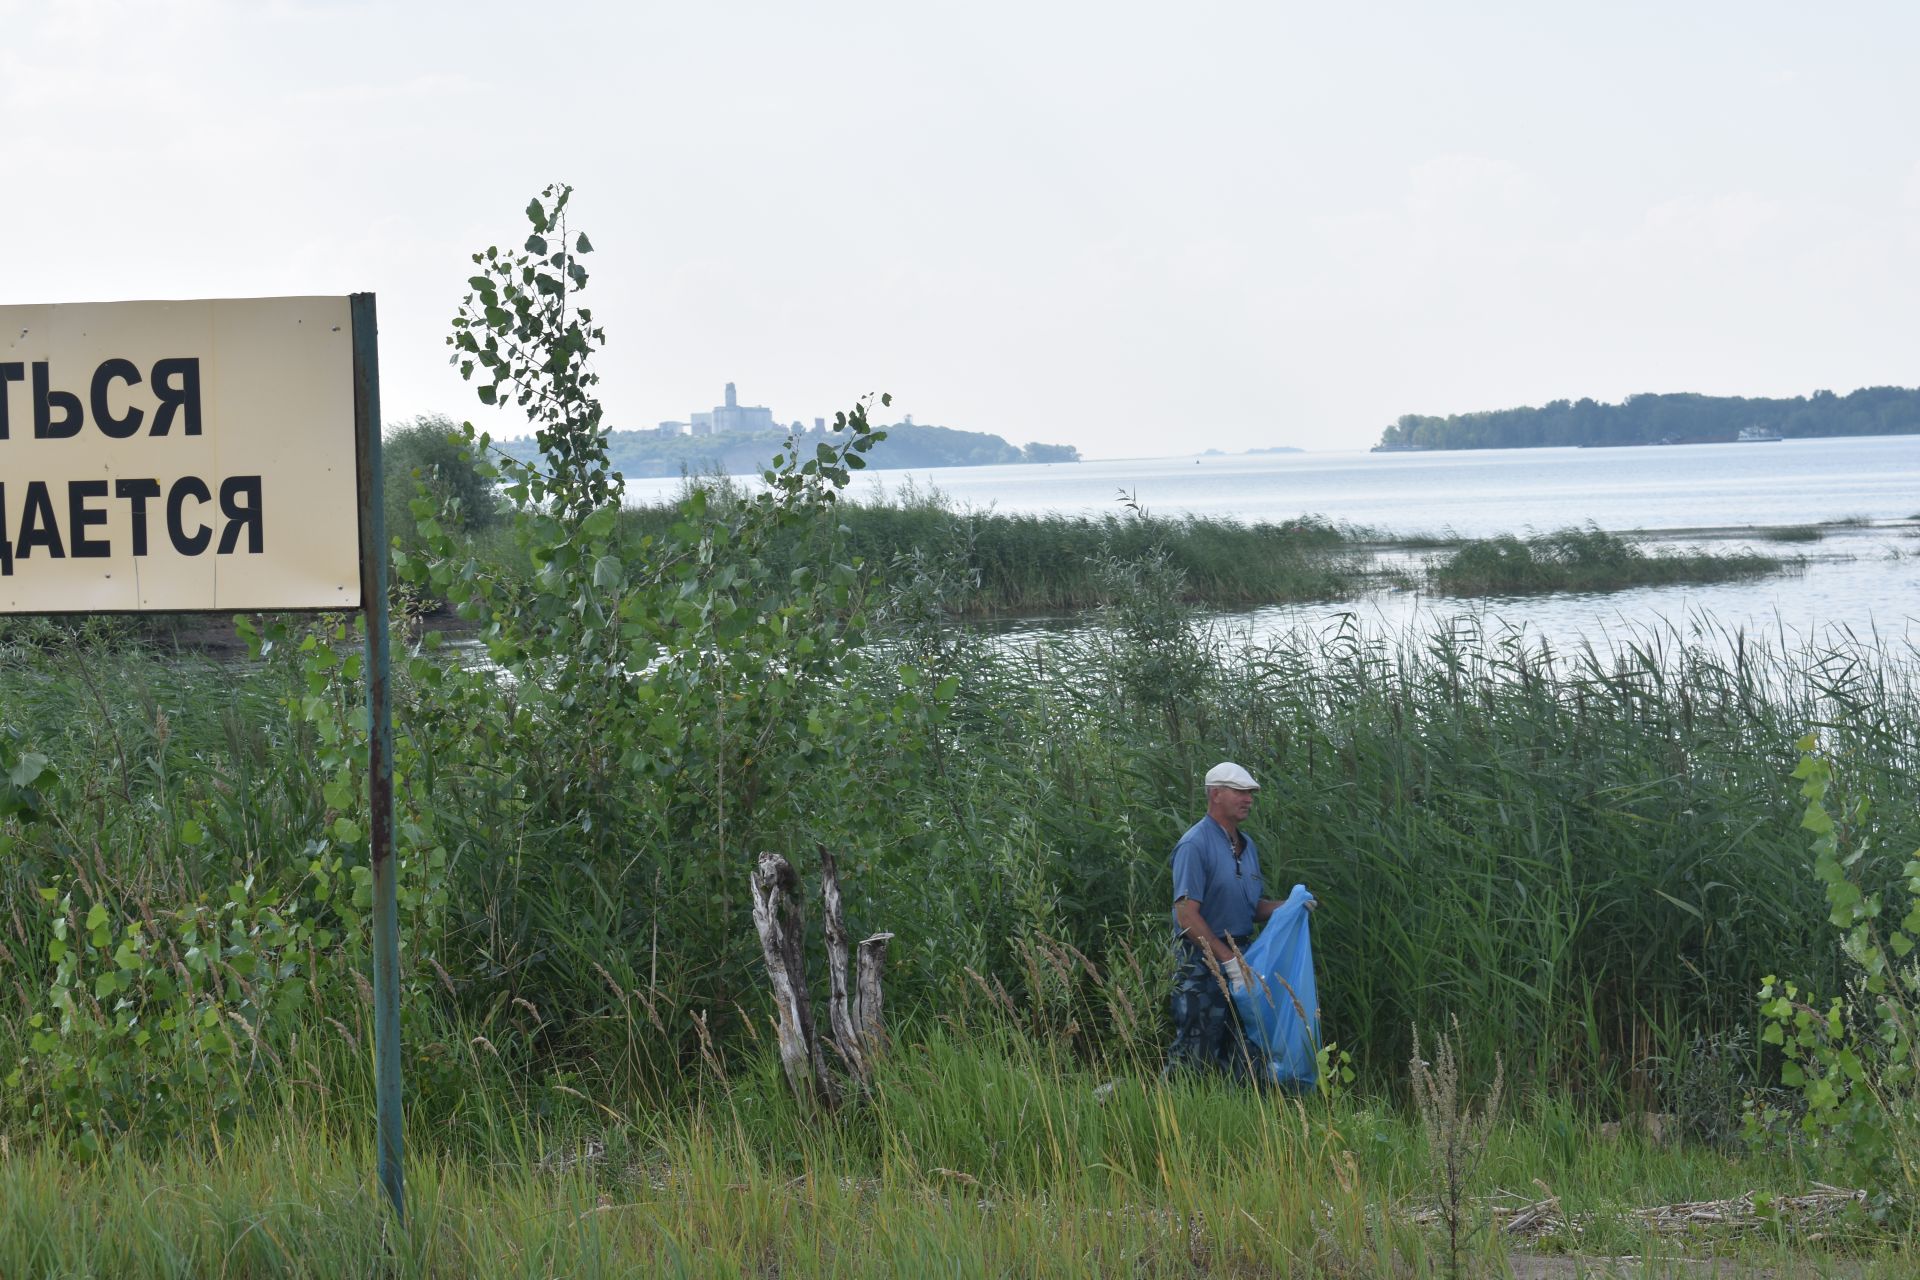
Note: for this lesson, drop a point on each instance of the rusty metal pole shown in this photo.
(379, 671)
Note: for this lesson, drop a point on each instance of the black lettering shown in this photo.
(6, 536)
(14, 372)
(241, 515)
(45, 401)
(118, 428)
(183, 488)
(38, 528)
(80, 517)
(136, 492)
(185, 396)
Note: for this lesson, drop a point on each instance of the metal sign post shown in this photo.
(373, 597)
(197, 456)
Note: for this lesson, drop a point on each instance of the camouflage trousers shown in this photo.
(1207, 1035)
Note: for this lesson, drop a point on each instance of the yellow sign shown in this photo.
(159, 456)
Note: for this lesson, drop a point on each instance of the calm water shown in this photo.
(1863, 579)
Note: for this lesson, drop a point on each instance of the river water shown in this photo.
(1860, 579)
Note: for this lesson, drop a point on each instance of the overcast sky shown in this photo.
(1139, 229)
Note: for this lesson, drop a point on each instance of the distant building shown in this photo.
(731, 417)
(673, 429)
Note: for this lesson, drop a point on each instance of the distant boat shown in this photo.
(1757, 435)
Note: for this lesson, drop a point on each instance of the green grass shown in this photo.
(980, 1153)
(1587, 559)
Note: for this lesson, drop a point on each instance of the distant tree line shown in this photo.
(1683, 418)
(648, 453)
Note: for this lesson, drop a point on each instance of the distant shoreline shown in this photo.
(1627, 444)
(1665, 418)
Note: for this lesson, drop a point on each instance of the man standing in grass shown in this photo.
(1216, 903)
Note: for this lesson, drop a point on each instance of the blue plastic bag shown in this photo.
(1281, 1008)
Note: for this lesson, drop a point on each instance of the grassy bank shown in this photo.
(979, 1153)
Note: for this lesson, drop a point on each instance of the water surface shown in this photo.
(1863, 579)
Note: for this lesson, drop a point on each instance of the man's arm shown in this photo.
(1194, 927)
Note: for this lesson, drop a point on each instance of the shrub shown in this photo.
(1851, 1060)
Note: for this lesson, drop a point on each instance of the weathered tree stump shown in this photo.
(854, 1016)
(776, 914)
(839, 1016)
(868, 1027)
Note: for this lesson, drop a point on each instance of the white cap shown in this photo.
(1229, 774)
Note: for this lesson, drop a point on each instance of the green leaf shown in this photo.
(96, 916)
(537, 215)
(27, 770)
(583, 245)
(192, 834)
(600, 523)
(1687, 907)
(537, 245)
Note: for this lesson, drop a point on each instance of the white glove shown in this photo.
(1236, 976)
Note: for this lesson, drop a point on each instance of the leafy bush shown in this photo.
(426, 461)
(160, 1023)
(1852, 1060)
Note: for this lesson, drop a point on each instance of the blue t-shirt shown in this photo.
(1227, 888)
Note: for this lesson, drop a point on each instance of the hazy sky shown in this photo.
(1139, 229)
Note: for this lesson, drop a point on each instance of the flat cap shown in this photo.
(1229, 774)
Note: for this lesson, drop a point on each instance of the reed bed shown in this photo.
(1792, 533)
(1589, 559)
(1014, 564)
(1595, 853)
